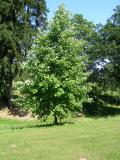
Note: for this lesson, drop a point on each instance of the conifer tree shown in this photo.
(19, 20)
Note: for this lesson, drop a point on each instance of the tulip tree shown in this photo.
(57, 73)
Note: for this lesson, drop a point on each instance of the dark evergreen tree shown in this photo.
(19, 20)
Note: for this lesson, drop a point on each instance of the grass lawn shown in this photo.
(88, 139)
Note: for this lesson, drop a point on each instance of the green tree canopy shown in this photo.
(57, 72)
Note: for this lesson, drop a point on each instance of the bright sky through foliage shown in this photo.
(97, 11)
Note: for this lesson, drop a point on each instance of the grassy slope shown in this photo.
(94, 139)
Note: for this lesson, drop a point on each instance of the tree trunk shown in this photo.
(6, 83)
(6, 95)
(9, 93)
(9, 83)
(55, 119)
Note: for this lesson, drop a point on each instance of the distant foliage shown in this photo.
(111, 41)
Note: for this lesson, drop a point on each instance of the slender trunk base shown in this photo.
(55, 119)
(6, 78)
(5, 102)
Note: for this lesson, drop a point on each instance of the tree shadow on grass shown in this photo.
(40, 125)
(16, 111)
(113, 100)
(98, 108)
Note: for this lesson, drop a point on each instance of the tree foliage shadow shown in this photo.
(113, 100)
(15, 110)
(99, 106)
(41, 125)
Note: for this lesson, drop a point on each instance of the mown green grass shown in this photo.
(94, 139)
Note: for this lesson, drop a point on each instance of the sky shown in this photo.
(97, 11)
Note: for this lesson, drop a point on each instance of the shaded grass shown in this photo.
(100, 108)
(104, 104)
(95, 139)
(11, 124)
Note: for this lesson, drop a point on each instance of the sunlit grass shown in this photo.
(94, 139)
